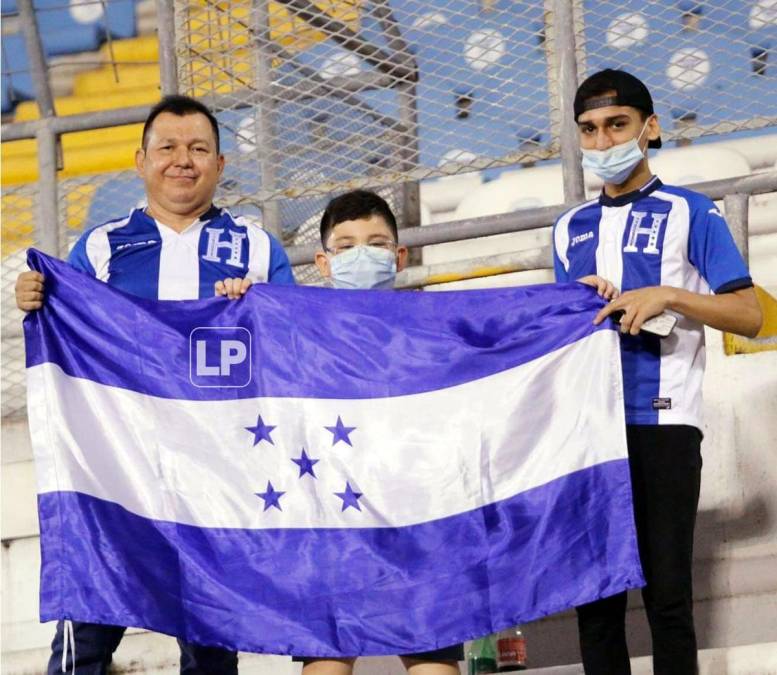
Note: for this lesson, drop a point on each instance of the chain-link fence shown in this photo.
(329, 94)
(315, 97)
(706, 64)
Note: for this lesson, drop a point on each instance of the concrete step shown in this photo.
(757, 659)
(142, 652)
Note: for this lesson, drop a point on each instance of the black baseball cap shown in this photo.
(629, 90)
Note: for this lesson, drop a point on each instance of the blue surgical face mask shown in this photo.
(615, 164)
(364, 267)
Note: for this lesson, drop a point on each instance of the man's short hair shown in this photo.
(181, 105)
(355, 205)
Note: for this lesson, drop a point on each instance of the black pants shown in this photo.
(95, 644)
(665, 464)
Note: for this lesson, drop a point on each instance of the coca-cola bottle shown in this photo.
(481, 658)
(511, 650)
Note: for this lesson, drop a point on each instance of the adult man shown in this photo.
(177, 247)
(664, 247)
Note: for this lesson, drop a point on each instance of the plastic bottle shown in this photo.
(511, 650)
(481, 658)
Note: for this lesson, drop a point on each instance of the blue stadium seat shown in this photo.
(71, 39)
(63, 33)
(8, 7)
(4, 90)
(16, 68)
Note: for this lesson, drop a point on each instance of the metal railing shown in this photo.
(242, 59)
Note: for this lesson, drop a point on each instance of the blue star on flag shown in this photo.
(340, 432)
(305, 464)
(349, 497)
(272, 497)
(261, 431)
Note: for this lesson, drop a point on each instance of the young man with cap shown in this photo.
(651, 248)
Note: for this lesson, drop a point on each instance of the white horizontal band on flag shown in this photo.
(414, 458)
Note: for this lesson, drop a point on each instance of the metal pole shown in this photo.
(37, 58)
(737, 212)
(265, 117)
(47, 222)
(168, 61)
(564, 23)
(487, 266)
(408, 115)
(551, 69)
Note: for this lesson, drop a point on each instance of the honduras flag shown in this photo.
(325, 472)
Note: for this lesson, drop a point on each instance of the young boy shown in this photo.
(360, 249)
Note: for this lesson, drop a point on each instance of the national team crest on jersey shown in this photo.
(225, 245)
(645, 230)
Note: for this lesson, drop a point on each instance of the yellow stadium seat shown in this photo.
(227, 23)
(765, 340)
(132, 50)
(108, 80)
(79, 139)
(72, 105)
(19, 216)
(117, 156)
(16, 170)
(18, 222)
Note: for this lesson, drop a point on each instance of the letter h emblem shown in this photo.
(651, 231)
(234, 246)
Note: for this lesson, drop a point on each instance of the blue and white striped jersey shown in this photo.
(150, 260)
(658, 235)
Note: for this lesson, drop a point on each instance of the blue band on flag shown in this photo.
(325, 592)
(315, 342)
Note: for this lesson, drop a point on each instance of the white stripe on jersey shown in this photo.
(561, 233)
(258, 247)
(179, 262)
(98, 248)
(609, 256)
(683, 352)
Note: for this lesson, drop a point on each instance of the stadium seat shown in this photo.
(144, 49)
(513, 191)
(16, 68)
(6, 94)
(55, 16)
(78, 162)
(17, 226)
(111, 80)
(8, 7)
(71, 39)
(698, 163)
(129, 133)
(71, 105)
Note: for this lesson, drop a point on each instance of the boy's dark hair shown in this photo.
(353, 206)
(629, 91)
(180, 105)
